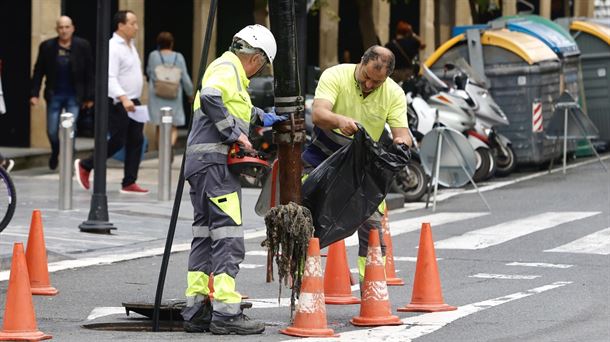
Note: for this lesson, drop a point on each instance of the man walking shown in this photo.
(124, 90)
(67, 63)
(222, 116)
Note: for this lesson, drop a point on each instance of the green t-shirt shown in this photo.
(386, 104)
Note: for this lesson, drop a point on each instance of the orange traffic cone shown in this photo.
(36, 257)
(375, 308)
(337, 284)
(310, 319)
(427, 293)
(19, 316)
(390, 271)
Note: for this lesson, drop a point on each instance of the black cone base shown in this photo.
(96, 227)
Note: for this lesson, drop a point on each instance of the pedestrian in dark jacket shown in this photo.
(67, 63)
(405, 48)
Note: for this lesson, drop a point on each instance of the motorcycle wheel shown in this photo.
(493, 166)
(505, 159)
(484, 164)
(411, 185)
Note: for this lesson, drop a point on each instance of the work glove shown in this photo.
(270, 118)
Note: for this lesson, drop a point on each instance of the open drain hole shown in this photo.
(144, 326)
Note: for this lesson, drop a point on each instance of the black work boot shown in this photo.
(197, 317)
(240, 324)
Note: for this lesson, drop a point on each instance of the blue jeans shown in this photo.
(54, 107)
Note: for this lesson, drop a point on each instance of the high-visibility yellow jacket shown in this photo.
(222, 111)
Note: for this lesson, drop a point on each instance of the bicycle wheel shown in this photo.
(8, 198)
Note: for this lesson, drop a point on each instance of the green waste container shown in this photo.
(560, 41)
(593, 39)
(524, 76)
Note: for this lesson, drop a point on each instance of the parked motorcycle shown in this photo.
(488, 114)
(436, 103)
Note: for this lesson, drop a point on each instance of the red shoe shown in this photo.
(133, 189)
(82, 175)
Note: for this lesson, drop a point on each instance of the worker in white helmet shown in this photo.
(222, 116)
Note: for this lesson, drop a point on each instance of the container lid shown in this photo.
(600, 31)
(539, 20)
(553, 39)
(527, 47)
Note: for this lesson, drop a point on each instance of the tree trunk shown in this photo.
(366, 23)
(260, 12)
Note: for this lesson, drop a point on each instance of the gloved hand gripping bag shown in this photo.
(347, 188)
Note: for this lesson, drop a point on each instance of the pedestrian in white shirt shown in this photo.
(124, 90)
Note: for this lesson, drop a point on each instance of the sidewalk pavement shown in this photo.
(141, 220)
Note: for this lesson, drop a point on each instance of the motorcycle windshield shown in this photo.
(468, 70)
(433, 79)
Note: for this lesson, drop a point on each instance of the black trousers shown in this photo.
(127, 132)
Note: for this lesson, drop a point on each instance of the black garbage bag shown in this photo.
(347, 188)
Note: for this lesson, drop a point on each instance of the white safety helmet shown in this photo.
(258, 36)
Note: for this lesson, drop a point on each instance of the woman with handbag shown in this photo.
(167, 79)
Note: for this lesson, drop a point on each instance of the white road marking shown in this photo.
(425, 324)
(504, 276)
(500, 233)
(596, 243)
(267, 303)
(250, 266)
(414, 224)
(256, 233)
(410, 259)
(107, 259)
(257, 253)
(538, 264)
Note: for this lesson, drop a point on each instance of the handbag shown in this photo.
(167, 79)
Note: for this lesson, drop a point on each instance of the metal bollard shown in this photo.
(165, 151)
(66, 136)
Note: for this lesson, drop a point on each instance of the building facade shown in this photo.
(334, 34)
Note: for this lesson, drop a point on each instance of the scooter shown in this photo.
(435, 103)
(488, 114)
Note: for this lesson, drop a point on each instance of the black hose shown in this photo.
(180, 187)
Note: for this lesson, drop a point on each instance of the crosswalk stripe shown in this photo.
(500, 233)
(538, 264)
(421, 325)
(596, 243)
(410, 259)
(413, 224)
(504, 276)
